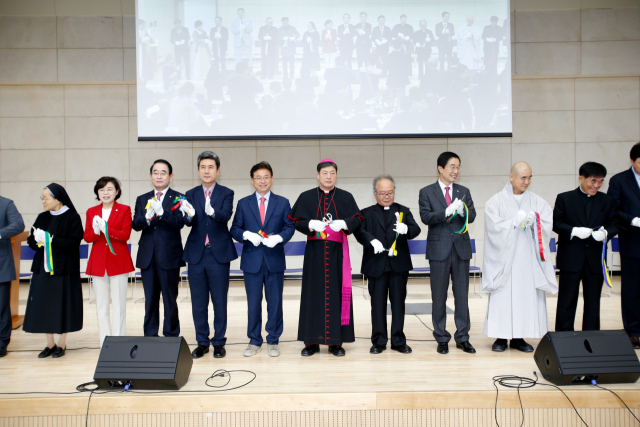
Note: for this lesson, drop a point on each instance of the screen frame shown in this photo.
(331, 136)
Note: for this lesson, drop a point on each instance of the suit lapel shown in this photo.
(377, 214)
(199, 197)
(578, 207)
(598, 202)
(215, 193)
(438, 192)
(391, 218)
(633, 183)
(166, 200)
(273, 202)
(253, 207)
(114, 212)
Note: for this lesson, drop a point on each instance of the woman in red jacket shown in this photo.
(110, 260)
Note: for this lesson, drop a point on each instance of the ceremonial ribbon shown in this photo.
(465, 227)
(177, 202)
(393, 251)
(106, 234)
(263, 234)
(540, 238)
(149, 203)
(605, 270)
(48, 253)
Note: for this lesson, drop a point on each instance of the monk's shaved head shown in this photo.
(520, 177)
(521, 167)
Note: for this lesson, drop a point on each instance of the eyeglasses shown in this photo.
(261, 178)
(161, 174)
(45, 199)
(387, 194)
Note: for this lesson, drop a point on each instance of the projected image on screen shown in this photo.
(226, 70)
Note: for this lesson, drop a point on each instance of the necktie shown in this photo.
(263, 209)
(158, 195)
(447, 197)
(206, 239)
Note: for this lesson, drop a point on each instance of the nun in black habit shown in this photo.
(54, 305)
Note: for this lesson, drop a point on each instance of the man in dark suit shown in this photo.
(268, 36)
(444, 33)
(288, 35)
(386, 262)
(209, 252)
(380, 40)
(180, 40)
(263, 261)
(219, 37)
(423, 38)
(448, 250)
(159, 250)
(363, 40)
(11, 225)
(625, 189)
(492, 36)
(583, 218)
(346, 36)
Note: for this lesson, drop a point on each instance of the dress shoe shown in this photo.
(520, 344)
(310, 350)
(200, 351)
(466, 347)
(59, 352)
(3, 352)
(499, 345)
(443, 348)
(47, 352)
(405, 349)
(337, 350)
(377, 349)
(251, 350)
(635, 342)
(274, 351)
(219, 351)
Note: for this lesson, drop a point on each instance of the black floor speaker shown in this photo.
(143, 363)
(565, 358)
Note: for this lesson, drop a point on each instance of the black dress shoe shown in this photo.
(3, 352)
(443, 348)
(219, 351)
(337, 350)
(47, 352)
(500, 345)
(58, 352)
(520, 344)
(405, 349)
(200, 351)
(466, 347)
(310, 350)
(377, 349)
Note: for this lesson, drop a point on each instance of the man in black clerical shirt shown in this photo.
(386, 262)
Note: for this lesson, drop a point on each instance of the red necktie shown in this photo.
(206, 240)
(158, 195)
(263, 210)
(447, 197)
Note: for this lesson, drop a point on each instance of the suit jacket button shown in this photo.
(152, 241)
(207, 223)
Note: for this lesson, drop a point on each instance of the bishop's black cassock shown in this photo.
(322, 277)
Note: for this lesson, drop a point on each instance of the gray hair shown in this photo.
(209, 155)
(379, 177)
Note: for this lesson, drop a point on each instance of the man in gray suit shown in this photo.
(241, 29)
(442, 208)
(11, 225)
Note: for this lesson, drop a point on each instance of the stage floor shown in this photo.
(421, 380)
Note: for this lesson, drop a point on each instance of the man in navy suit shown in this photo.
(263, 261)
(209, 252)
(625, 189)
(159, 250)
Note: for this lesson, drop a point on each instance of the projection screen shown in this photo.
(224, 69)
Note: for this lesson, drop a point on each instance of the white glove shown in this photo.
(95, 225)
(451, 209)
(150, 214)
(407, 38)
(157, 207)
(400, 35)
(186, 208)
(378, 42)
(272, 241)
(599, 235)
(635, 222)
(218, 36)
(308, 39)
(243, 26)
(207, 207)
(38, 234)
(384, 40)
(102, 224)
(401, 228)
(417, 44)
(338, 225)
(459, 206)
(428, 38)
(377, 246)
(177, 43)
(267, 37)
(346, 31)
(519, 219)
(315, 225)
(254, 238)
(445, 31)
(581, 232)
(361, 31)
(531, 218)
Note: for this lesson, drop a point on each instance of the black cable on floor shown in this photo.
(593, 382)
